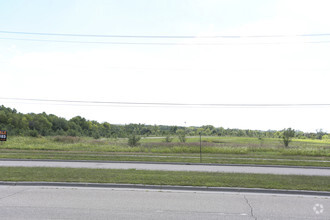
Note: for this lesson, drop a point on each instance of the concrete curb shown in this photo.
(174, 163)
(168, 187)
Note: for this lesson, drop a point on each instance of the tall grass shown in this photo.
(210, 145)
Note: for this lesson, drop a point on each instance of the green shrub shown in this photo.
(133, 140)
(168, 139)
(181, 135)
(33, 133)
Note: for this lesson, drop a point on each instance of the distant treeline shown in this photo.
(51, 125)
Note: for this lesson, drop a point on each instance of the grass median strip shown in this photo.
(157, 157)
(132, 176)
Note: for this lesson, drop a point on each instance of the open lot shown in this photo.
(222, 150)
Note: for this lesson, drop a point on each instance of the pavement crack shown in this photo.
(13, 194)
(251, 208)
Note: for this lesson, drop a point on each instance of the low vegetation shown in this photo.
(43, 136)
(233, 150)
(316, 183)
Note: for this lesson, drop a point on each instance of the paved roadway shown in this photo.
(31, 202)
(172, 167)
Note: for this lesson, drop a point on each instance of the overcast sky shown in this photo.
(248, 70)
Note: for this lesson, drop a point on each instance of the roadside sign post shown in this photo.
(3, 136)
(200, 147)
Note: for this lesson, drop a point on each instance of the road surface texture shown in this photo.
(31, 202)
(172, 167)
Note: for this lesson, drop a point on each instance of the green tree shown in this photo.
(82, 123)
(168, 139)
(325, 137)
(40, 123)
(320, 133)
(133, 140)
(261, 138)
(58, 123)
(155, 130)
(3, 117)
(181, 135)
(173, 129)
(287, 136)
(146, 131)
(24, 123)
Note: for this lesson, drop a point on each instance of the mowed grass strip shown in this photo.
(132, 176)
(181, 158)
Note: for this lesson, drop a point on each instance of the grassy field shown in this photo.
(132, 176)
(233, 150)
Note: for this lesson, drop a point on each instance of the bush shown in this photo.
(133, 140)
(287, 136)
(96, 135)
(181, 135)
(325, 137)
(33, 133)
(73, 133)
(168, 139)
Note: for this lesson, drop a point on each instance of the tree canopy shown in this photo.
(43, 124)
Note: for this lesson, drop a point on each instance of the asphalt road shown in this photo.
(30, 202)
(172, 167)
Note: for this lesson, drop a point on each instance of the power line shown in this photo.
(100, 42)
(165, 36)
(160, 43)
(164, 104)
